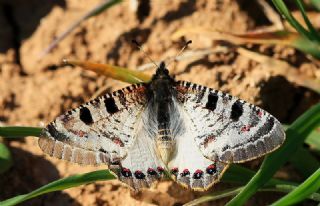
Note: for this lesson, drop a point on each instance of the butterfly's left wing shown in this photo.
(98, 132)
(142, 166)
(116, 129)
(228, 129)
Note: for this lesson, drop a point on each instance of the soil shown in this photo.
(34, 91)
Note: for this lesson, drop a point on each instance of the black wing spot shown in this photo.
(52, 130)
(225, 148)
(85, 115)
(194, 87)
(95, 102)
(212, 101)
(236, 110)
(111, 105)
(270, 124)
(102, 150)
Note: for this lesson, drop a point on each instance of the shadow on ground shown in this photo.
(28, 173)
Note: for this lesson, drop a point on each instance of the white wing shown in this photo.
(189, 167)
(100, 131)
(117, 129)
(143, 165)
(228, 129)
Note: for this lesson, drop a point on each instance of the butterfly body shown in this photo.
(186, 130)
(161, 95)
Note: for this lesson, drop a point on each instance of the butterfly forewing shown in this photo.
(100, 131)
(228, 129)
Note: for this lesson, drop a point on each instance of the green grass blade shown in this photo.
(237, 173)
(313, 31)
(232, 192)
(62, 184)
(95, 11)
(306, 123)
(114, 72)
(314, 139)
(304, 162)
(289, 188)
(17, 132)
(5, 158)
(308, 187)
(307, 46)
(214, 196)
(296, 135)
(316, 4)
(283, 10)
(102, 7)
(241, 175)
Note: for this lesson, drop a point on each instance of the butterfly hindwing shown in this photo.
(228, 129)
(100, 131)
(143, 165)
(189, 167)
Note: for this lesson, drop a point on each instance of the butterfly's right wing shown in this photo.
(188, 166)
(100, 131)
(228, 129)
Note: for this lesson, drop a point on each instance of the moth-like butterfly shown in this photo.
(144, 132)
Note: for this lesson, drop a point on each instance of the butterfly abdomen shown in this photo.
(165, 144)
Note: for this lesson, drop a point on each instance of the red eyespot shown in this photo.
(174, 171)
(197, 174)
(126, 172)
(160, 169)
(185, 172)
(151, 171)
(211, 169)
(139, 175)
(245, 128)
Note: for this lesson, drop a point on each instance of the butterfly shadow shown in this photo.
(141, 35)
(285, 100)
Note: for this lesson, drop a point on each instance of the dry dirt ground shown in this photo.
(34, 91)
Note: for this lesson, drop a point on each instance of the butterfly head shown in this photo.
(160, 87)
(162, 73)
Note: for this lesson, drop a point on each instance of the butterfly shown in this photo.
(149, 131)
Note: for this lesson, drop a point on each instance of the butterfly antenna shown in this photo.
(183, 48)
(181, 51)
(144, 53)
